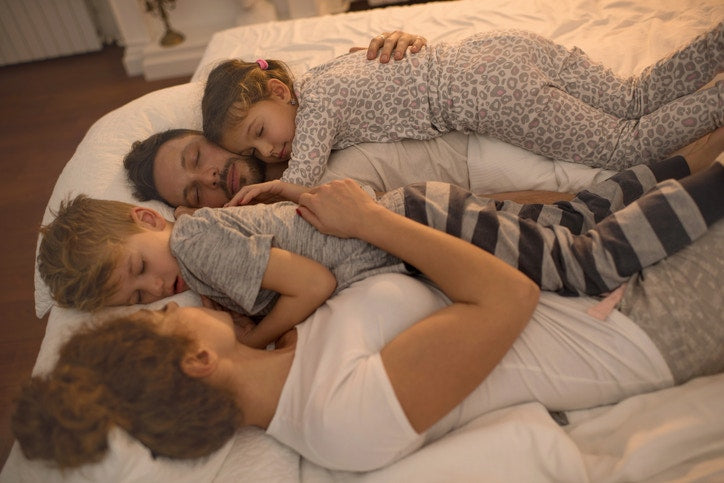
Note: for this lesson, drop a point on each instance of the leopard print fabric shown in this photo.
(516, 86)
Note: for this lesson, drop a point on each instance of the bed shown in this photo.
(676, 434)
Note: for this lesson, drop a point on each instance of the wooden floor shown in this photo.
(45, 109)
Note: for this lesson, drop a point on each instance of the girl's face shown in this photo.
(266, 132)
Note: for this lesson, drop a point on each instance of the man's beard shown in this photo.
(255, 169)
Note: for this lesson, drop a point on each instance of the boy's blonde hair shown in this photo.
(232, 88)
(80, 249)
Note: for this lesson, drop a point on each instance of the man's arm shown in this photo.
(528, 197)
(392, 45)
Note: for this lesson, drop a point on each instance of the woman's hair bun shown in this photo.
(63, 417)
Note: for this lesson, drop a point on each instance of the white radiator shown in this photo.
(41, 29)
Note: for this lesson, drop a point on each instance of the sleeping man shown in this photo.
(182, 168)
(185, 170)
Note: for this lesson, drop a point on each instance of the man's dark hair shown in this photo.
(139, 162)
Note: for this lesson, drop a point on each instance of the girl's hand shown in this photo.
(397, 41)
(340, 208)
(268, 192)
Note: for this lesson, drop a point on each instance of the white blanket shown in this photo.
(671, 435)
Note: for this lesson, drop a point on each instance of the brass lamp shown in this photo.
(171, 36)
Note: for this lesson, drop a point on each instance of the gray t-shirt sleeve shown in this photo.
(220, 262)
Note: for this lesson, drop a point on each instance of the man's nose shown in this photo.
(210, 177)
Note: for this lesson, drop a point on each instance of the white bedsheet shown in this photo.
(671, 435)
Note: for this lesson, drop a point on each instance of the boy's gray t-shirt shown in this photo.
(223, 253)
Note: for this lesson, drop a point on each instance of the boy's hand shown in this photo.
(268, 192)
(287, 339)
(183, 210)
(243, 323)
(397, 41)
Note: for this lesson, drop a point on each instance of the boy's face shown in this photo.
(146, 270)
(266, 132)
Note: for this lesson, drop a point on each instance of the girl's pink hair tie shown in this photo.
(263, 65)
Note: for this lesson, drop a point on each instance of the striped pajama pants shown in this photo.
(593, 243)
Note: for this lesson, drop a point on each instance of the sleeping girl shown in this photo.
(516, 86)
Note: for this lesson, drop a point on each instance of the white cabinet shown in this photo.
(197, 20)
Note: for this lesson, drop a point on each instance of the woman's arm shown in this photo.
(437, 362)
(302, 284)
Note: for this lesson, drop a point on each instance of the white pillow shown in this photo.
(126, 461)
(96, 168)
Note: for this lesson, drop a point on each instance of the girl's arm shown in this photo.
(437, 362)
(302, 284)
(269, 191)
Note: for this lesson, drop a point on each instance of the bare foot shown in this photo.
(703, 152)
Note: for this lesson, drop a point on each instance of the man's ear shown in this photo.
(148, 218)
(199, 363)
(278, 89)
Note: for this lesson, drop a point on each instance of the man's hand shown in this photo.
(392, 43)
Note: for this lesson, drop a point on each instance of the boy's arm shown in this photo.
(302, 284)
(183, 210)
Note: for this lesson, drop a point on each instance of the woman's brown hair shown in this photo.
(121, 373)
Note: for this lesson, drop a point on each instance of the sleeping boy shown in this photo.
(269, 261)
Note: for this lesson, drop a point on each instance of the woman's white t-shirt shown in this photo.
(338, 408)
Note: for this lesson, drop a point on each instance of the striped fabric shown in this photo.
(591, 244)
